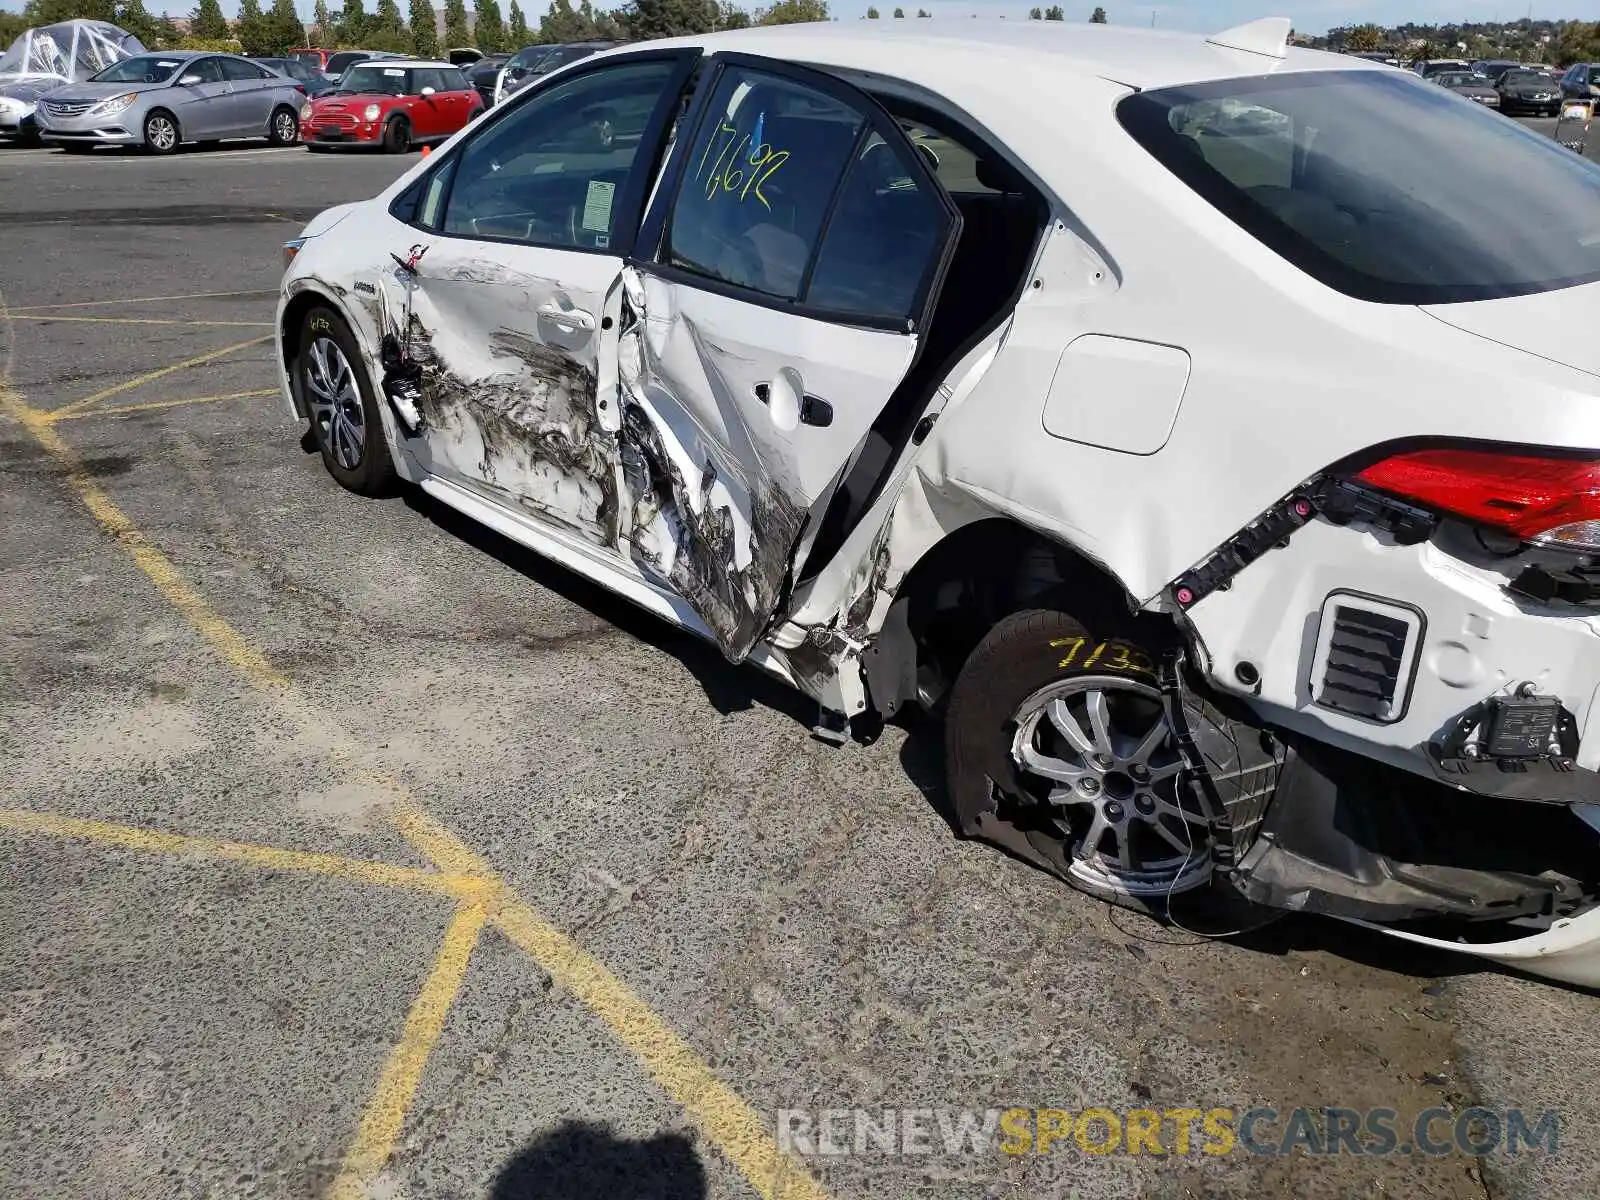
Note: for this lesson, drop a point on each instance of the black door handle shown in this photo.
(813, 409)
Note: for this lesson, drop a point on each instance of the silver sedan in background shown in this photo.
(162, 100)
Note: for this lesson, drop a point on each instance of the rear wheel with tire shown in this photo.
(161, 134)
(284, 128)
(397, 135)
(345, 420)
(1059, 748)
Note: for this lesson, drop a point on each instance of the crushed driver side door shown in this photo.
(792, 256)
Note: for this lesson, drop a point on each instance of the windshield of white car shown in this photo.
(1380, 185)
(140, 69)
(375, 81)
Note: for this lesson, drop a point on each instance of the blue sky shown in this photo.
(1313, 16)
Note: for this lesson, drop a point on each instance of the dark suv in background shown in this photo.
(1581, 81)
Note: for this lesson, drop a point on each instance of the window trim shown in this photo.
(653, 232)
(631, 198)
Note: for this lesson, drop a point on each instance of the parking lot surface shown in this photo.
(347, 850)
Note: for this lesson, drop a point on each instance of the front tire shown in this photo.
(346, 423)
(161, 133)
(284, 127)
(397, 136)
(1058, 748)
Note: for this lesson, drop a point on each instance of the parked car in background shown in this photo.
(392, 105)
(463, 56)
(313, 56)
(312, 81)
(1493, 68)
(1432, 66)
(1470, 84)
(536, 62)
(1523, 91)
(41, 59)
(698, 321)
(341, 61)
(161, 101)
(1581, 81)
(484, 74)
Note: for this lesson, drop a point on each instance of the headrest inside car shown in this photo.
(996, 176)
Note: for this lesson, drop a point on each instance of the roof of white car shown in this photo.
(407, 63)
(912, 48)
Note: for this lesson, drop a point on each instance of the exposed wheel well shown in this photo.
(294, 318)
(982, 573)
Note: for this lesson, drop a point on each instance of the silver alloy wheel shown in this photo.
(336, 411)
(287, 127)
(161, 132)
(1101, 752)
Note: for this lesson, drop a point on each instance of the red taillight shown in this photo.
(1547, 499)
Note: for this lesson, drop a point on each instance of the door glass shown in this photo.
(761, 172)
(551, 173)
(881, 242)
(208, 70)
(455, 81)
(237, 69)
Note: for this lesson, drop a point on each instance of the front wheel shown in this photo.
(345, 420)
(1059, 748)
(397, 136)
(161, 133)
(284, 128)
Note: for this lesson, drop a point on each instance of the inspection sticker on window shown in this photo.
(597, 205)
(394, 71)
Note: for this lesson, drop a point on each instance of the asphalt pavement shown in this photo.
(347, 850)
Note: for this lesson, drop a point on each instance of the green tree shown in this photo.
(872, 13)
(424, 29)
(793, 12)
(251, 27)
(284, 31)
(207, 21)
(518, 23)
(731, 16)
(351, 27)
(669, 18)
(321, 26)
(1365, 38)
(1054, 13)
(132, 16)
(1036, 14)
(922, 12)
(1098, 16)
(489, 27)
(456, 31)
(167, 32)
(899, 12)
(48, 12)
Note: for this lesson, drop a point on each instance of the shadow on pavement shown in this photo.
(580, 1161)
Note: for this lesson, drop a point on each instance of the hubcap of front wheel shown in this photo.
(336, 411)
(286, 127)
(162, 135)
(1099, 751)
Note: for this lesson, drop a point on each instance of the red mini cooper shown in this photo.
(393, 104)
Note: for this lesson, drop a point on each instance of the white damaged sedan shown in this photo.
(1207, 431)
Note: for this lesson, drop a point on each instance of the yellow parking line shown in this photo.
(123, 410)
(30, 308)
(386, 1112)
(16, 316)
(78, 406)
(271, 858)
(726, 1120)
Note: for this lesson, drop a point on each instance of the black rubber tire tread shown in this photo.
(272, 126)
(397, 136)
(374, 475)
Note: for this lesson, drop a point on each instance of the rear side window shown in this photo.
(1379, 185)
(241, 71)
(763, 169)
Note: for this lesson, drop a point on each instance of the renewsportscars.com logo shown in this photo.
(1171, 1131)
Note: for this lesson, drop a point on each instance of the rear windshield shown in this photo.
(1382, 186)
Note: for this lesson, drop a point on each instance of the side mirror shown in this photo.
(188, 80)
(428, 91)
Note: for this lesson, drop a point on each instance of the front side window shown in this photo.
(1379, 186)
(206, 70)
(553, 171)
(762, 170)
(453, 81)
